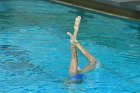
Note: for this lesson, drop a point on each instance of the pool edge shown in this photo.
(95, 10)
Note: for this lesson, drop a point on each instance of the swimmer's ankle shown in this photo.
(74, 42)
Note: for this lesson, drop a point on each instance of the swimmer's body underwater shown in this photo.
(76, 76)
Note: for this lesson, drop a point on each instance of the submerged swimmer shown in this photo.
(76, 76)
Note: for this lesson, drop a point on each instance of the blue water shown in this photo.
(35, 50)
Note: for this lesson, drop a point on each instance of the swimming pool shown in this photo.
(35, 50)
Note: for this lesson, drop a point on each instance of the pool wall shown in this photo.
(128, 10)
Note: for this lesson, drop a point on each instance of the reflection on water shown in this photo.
(15, 65)
(5, 7)
(4, 23)
(136, 28)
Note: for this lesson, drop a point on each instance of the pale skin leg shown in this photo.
(89, 57)
(74, 61)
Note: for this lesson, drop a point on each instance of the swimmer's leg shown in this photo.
(74, 42)
(74, 61)
(89, 57)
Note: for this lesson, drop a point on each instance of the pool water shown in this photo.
(35, 50)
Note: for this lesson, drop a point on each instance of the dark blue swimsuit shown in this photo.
(77, 78)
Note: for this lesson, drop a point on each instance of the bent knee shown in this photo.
(93, 62)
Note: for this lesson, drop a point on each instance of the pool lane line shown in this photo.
(95, 10)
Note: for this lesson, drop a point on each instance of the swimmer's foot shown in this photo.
(73, 40)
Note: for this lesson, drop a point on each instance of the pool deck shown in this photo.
(124, 8)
